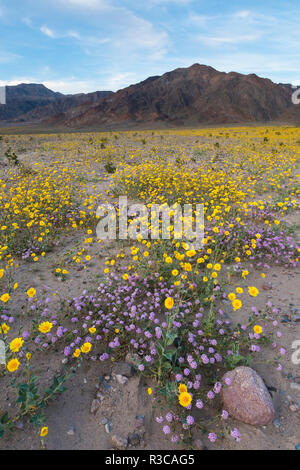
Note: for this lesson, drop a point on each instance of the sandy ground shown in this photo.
(71, 423)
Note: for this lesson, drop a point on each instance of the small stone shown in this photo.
(133, 358)
(71, 431)
(247, 398)
(267, 286)
(104, 385)
(139, 421)
(64, 361)
(119, 442)
(294, 407)
(276, 423)
(296, 311)
(122, 380)
(107, 428)
(295, 386)
(133, 439)
(95, 406)
(123, 368)
(85, 381)
(199, 444)
(100, 396)
(2, 354)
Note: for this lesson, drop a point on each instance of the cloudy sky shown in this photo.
(77, 46)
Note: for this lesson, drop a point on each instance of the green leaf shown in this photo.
(4, 418)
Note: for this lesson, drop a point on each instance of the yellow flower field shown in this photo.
(67, 296)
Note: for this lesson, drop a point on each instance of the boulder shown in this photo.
(247, 398)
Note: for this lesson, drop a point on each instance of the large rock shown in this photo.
(247, 398)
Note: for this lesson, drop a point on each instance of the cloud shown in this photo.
(86, 4)
(87, 40)
(8, 57)
(242, 14)
(48, 32)
(172, 2)
(84, 40)
(242, 27)
(96, 44)
(64, 85)
(13, 82)
(251, 62)
(119, 80)
(72, 85)
(137, 33)
(222, 40)
(27, 21)
(126, 32)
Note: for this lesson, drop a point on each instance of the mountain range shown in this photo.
(191, 96)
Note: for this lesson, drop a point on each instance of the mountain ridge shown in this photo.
(189, 96)
(31, 102)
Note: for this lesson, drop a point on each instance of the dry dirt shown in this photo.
(70, 421)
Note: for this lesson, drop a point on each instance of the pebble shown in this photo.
(132, 358)
(2, 354)
(100, 396)
(71, 431)
(139, 421)
(122, 380)
(133, 439)
(104, 384)
(276, 423)
(285, 319)
(95, 406)
(119, 442)
(294, 407)
(295, 386)
(267, 286)
(107, 428)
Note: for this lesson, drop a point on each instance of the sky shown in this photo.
(75, 46)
